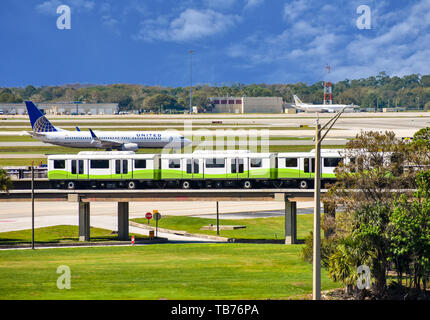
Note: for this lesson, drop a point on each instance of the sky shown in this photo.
(234, 41)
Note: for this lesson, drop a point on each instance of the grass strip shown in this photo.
(57, 234)
(260, 228)
(165, 271)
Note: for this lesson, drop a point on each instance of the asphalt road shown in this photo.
(17, 215)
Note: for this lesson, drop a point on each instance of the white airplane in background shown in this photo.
(321, 107)
(120, 140)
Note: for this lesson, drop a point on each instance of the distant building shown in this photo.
(248, 104)
(62, 108)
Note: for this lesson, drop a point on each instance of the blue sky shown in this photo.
(235, 41)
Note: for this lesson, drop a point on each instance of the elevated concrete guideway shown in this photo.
(123, 197)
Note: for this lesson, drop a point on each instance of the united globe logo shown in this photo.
(43, 125)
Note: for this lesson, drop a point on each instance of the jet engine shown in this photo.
(129, 147)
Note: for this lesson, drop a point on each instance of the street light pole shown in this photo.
(191, 80)
(317, 218)
(316, 261)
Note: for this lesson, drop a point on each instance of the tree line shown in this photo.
(381, 91)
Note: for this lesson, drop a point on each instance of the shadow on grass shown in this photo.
(10, 241)
(263, 241)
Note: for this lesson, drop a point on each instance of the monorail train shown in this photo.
(205, 169)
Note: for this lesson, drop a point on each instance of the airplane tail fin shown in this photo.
(297, 101)
(38, 121)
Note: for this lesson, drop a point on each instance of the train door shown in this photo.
(193, 169)
(188, 174)
(77, 169)
(308, 167)
(236, 167)
(121, 169)
(239, 168)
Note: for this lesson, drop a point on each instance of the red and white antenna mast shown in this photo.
(328, 93)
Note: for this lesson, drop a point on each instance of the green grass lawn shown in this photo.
(17, 162)
(170, 271)
(260, 228)
(162, 271)
(17, 138)
(57, 234)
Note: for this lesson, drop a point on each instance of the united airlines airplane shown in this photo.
(120, 140)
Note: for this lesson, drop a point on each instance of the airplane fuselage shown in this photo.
(324, 107)
(143, 139)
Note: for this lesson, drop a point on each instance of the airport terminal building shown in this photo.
(62, 108)
(248, 104)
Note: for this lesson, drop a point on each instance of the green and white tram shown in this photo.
(206, 169)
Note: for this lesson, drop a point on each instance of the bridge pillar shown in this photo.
(290, 218)
(123, 232)
(84, 221)
(290, 222)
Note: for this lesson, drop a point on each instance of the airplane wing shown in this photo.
(103, 143)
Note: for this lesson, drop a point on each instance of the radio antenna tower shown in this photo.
(328, 93)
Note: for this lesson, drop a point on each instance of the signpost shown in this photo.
(157, 216)
(148, 216)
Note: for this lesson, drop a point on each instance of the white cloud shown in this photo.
(294, 9)
(191, 24)
(50, 6)
(109, 17)
(403, 48)
(250, 4)
(317, 37)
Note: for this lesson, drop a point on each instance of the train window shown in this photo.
(81, 166)
(233, 166)
(73, 166)
(99, 164)
(175, 164)
(291, 162)
(215, 163)
(124, 166)
(240, 165)
(332, 162)
(308, 165)
(256, 163)
(196, 166)
(117, 166)
(189, 166)
(59, 164)
(140, 164)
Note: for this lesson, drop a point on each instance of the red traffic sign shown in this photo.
(148, 215)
